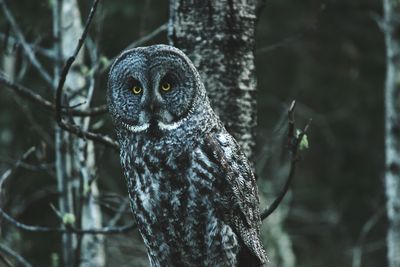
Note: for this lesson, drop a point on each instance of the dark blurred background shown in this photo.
(327, 54)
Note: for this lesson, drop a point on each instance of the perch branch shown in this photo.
(293, 145)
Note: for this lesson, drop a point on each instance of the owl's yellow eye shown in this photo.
(166, 87)
(136, 89)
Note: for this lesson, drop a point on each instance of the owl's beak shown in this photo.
(153, 107)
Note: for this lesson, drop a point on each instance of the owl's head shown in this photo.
(153, 89)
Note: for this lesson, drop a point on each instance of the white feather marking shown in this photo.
(174, 125)
(169, 127)
(136, 129)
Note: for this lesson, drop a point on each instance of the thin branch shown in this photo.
(28, 50)
(69, 229)
(27, 93)
(5, 261)
(148, 37)
(21, 261)
(102, 139)
(120, 212)
(41, 50)
(10, 171)
(293, 145)
(105, 140)
(282, 43)
(141, 41)
(37, 99)
(367, 227)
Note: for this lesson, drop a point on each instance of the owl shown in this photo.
(192, 190)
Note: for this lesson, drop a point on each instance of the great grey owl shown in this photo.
(192, 190)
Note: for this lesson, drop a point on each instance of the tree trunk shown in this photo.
(392, 128)
(76, 168)
(219, 37)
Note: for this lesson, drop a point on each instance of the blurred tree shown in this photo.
(391, 27)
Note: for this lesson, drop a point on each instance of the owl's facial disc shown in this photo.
(151, 90)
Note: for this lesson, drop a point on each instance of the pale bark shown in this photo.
(391, 28)
(75, 161)
(219, 37)
(82, 152)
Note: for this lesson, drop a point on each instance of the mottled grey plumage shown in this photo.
(192, 190)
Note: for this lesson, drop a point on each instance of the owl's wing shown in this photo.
(241, 185)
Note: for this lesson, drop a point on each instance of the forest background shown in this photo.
(329, 55)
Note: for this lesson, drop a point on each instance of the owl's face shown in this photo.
(151, 89)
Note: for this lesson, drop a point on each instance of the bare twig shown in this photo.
(37, 99)
(5, 261)
(10, 171)
(282, 43)
(120, 212)
(148, 37)
(14, 42)
(69, 229)
(369, 224)
(21, 261)
(74, 129)
(293, 145)
(28, 50)
(141, 41)
(27, 93)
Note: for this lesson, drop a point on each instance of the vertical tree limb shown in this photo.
(391, 29)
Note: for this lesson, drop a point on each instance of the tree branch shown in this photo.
(68, 229)
(10, 171)
(38, 99)
(28, 50)
(148, 37)
(36, 48)
(21, 261)
(141, 41)
(294, 141)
